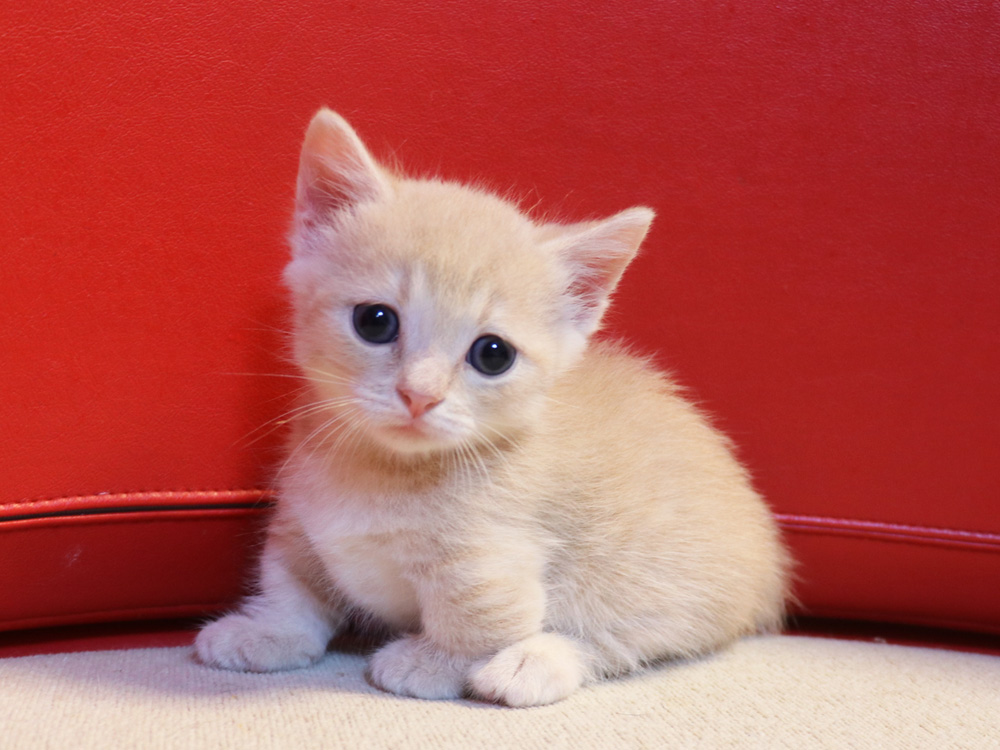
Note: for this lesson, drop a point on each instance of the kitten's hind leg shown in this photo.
(285, 626)
(543, 668)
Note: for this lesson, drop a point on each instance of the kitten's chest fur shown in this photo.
(375, 574)
(375, 546)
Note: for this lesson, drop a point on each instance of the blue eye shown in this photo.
(376, 324)
(491, 355)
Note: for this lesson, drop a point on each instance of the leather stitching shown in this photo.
(112, 498)
(891, 532)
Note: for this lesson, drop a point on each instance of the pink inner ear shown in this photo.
(594, 280)
(597, 257)
(335, 169)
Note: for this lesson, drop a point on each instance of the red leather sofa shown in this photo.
(824, 271)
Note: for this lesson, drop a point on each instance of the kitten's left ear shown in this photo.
(596, 255)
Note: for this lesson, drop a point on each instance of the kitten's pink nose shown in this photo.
(418, 403)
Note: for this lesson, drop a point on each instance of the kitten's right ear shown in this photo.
(335, 169)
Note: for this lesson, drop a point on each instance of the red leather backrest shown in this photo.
(823, 271)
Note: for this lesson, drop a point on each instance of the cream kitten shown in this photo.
(529, 509)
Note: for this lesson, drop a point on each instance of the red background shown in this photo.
(823, 272)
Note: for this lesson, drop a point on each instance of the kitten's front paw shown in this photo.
(247, 645)
(542, 669)
(413, 666)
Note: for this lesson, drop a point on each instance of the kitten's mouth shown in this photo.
(414, 436)
(415, 428)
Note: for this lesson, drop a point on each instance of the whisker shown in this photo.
(350, 431)
(462, 467)
(265, 328)
(498, 453)
(474, 460)
(346, 426)
(327, 376)
(268, 375)
(322, 427)
(560, 403)
(302, 410)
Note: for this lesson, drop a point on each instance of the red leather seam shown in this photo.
(141, 495)
(858, 523)
(894, 532)
(889, 532)
(139, 518)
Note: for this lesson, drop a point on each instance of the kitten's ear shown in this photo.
(596, 254)
(335, 169)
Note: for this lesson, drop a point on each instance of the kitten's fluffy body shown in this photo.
(571, 518)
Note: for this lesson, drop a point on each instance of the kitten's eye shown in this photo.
(377, 324)
(491, 355)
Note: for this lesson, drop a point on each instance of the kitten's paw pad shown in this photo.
(413, 666)
(247, 645)
(542, 669)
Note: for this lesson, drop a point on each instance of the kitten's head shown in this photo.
(430, 315)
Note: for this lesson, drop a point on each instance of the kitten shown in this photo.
(527, 508)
